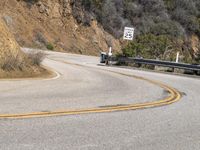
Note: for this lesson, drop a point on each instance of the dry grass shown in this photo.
(36, 72)
(19, 62)
(28, 66)
(36, 57)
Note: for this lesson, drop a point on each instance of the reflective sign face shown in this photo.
(128, 33)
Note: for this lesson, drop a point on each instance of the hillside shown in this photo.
(13, 62)
(50, 24)
(8, 45)
(162, 27)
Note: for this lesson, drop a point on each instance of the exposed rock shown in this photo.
(52, 21)
(66, 8)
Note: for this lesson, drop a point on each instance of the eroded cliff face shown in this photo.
(38, 23)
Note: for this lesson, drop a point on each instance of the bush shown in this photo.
(36, 57)
(148, 46)
(50, 46)
(189, 22)
(13, 63)
(168, 28)
(90, 4)
(40, 37)
(111, 19)
(153, 6)
(21, 62)
(198, 57)
(132, 10)
(171, 16)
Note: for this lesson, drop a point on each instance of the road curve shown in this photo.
(87, 85)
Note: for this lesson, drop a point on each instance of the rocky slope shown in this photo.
(13, 62)
(9, 48)
(8, 45)
(50, 23)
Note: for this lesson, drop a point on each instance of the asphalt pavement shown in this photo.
(82, 83)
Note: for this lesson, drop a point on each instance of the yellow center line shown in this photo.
(172, 98)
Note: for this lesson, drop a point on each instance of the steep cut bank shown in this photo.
(8, 46)
(13, 62)
(51, 24)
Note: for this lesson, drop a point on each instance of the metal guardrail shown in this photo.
(157, 63)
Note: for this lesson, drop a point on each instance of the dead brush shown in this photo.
(12, 63)
(36, 57)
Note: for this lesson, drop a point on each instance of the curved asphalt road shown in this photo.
(175, 126)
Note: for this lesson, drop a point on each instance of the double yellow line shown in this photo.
(173, 97)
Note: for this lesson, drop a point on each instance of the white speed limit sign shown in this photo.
(128, 33)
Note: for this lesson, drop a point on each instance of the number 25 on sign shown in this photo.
(128, 33)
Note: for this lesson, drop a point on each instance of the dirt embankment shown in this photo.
(47, 23)
(13, 62)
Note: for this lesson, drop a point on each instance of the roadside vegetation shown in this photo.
(18, 63)
(36, 58)
(50, 46)
(27, 66)
(13, 62)
(163, 27)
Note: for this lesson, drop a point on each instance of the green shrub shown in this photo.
(148, 46)
(50, 46)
